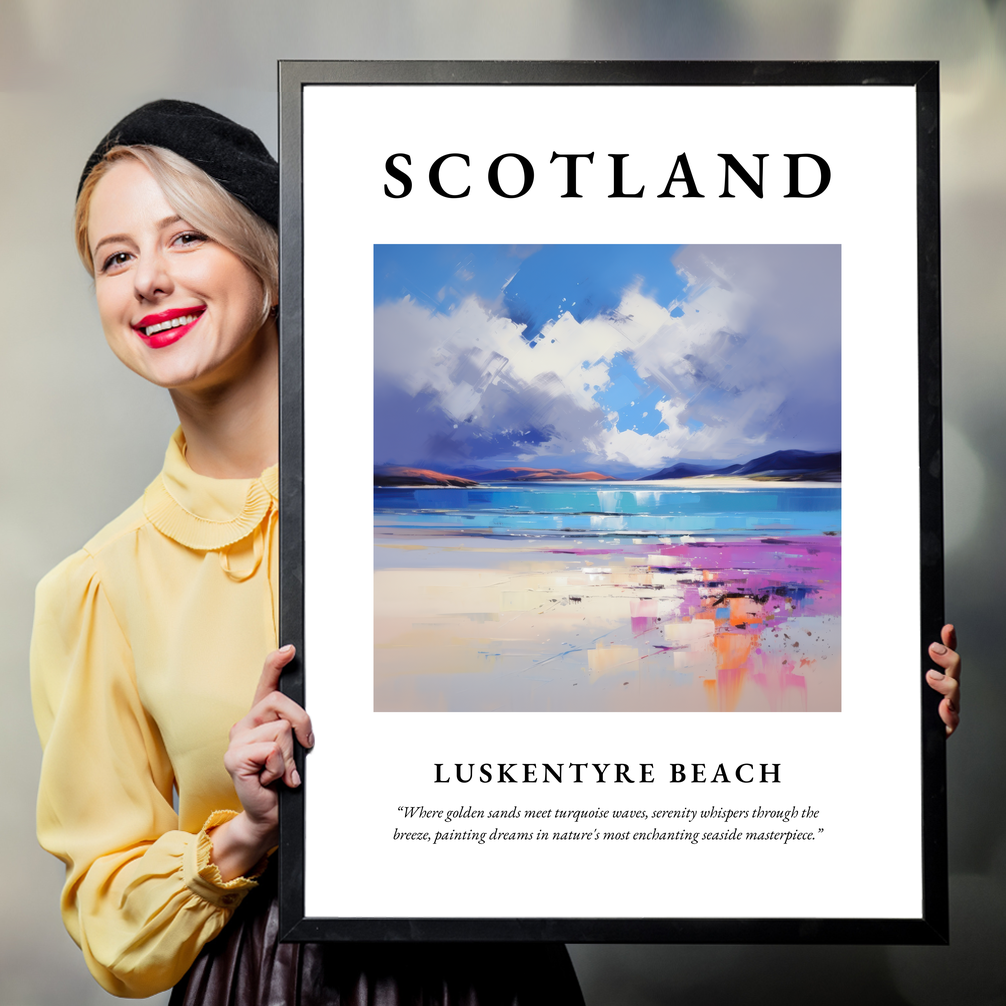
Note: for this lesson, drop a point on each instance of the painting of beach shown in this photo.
(607, 478)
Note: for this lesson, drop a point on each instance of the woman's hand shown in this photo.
(948, 681)
(260, 753)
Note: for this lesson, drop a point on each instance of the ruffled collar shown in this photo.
(203, 513)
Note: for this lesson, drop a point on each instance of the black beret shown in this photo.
(231, 154)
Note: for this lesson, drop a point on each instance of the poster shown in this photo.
(620, 365)
(676, 568)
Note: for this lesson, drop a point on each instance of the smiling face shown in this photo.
(177, 307)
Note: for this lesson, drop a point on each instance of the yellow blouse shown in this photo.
(147, 647)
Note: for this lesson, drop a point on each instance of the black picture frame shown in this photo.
(931, 927)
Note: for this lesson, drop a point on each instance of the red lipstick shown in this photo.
(166, 327)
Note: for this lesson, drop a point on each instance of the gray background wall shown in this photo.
(82, 436)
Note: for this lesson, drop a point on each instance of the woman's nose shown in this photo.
(152, 277)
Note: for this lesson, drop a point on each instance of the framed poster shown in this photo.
(611, 501)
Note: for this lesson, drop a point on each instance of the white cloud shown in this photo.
(750, 345)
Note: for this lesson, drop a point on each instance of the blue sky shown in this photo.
(538, 283)
(617, 358)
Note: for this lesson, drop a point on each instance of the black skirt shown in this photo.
(246, 965)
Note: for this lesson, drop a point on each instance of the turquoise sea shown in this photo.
(562, 509)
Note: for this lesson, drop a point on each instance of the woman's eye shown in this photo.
(190, 238)
(114, 261)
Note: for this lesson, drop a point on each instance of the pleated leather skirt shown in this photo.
(246, 965)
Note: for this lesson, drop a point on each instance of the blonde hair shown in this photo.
(199, 200)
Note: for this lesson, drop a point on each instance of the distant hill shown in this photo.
(780, 466)
(399, 475)
(689, 470)
(541, 475)
(797, 466)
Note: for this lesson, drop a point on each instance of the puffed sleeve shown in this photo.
(141, 898)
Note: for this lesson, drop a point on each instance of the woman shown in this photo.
(148, 643)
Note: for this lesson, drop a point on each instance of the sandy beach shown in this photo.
(469, 621)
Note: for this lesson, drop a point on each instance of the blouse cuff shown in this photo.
(202, 876)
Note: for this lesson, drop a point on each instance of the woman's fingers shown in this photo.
(274, 766)
(949, 636)
(947, 680)
(947, 686)
(945, 655)
(278, 735)
(949, 711)
(259, 761)
(271, 671)
(270, 703)
(261, 749)
(277, 706)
